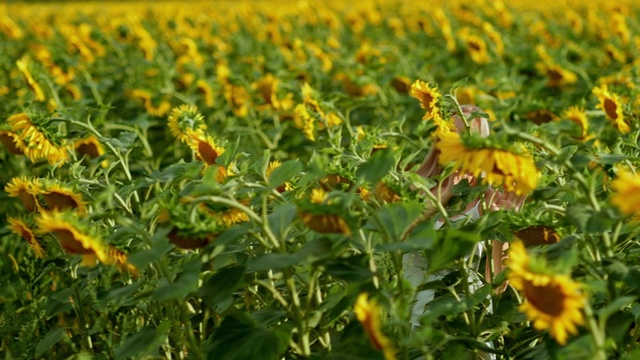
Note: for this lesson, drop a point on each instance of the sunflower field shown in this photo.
(380, 179)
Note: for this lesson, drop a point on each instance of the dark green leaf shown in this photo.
(143, 342)
(378, 166)
(395, 219)
(240, 338)
(220, 287)
(161, 246)
(449, 247)
(285, 172)
(52, 337)
(185, 283)
(281, 217)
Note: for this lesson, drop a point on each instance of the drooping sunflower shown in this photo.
(20, 227)
(38, 143)
(90, 147)
(517, 173)
(428, 97)
(552, 302)
(612, 106)
(578, 116)
(12, 142)
(23, 66)
(184, 118)
(368, 314)
(323, 214)
(59, 197)
(74, 238)
(26, 189)
(626, 192)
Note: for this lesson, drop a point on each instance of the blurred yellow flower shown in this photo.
(368, 314)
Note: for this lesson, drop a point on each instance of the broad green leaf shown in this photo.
(285, 172)
(160, 246)
(380, 163)
(395, 219)
(281, 217)
(143, 342)
(219, 288)
(185, 283)
(615, 306)
(449, 247)
(52, 337)
(240, 338)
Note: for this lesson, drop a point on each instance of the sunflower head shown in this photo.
(368, 314)
(21, 227)
(611, 104)
(26, 189)
(62, 198)
(183, 119)
(428, 97)
(75, 237)
(11, 142)
(626, 193)
(552, 302)
(204, 146)
(578, 116)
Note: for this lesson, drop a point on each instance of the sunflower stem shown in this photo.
(597, 333)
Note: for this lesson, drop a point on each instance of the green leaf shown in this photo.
(229, 153)
(352, 268)
(52, 338)
(449, 247)
(285, 172)
(219, 288)
(579, 215)
(615, 306)
(59, 302)
(395, 219)
(143, 342)
(160, 246)
(422, 237)
(185, 282)
(240, 338)
(610, 159)
(378, 166)
(281, 217)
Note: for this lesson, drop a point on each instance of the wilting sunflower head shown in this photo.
(62, 198)
(11, 142)
(324, 212)
(486, 160)
(552, 302)
(21, 227)
(183, 119)
(368, 314)
(39, 138)
(26, 189)
(74, 236)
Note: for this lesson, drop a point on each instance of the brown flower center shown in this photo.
(611, 108)
(90, 150)
(59, 201)
(547, 299)
(70, 244)
(207, 153)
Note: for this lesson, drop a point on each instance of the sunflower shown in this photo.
(20, 227)
(204, 146)
(322, 214)
(476, 46)
(626, 196)
(184, 118)
(537, 235)
(26, 189)
(304, 121)
(578, 116)
(552, 302)
(61, 198)
(36, 143)
(90, 147)
(428, 97)
(12, 142)
(556, 74)
(23, 66)
(515, 172)
(120, 260)
(612, 106)
(73, 237)
(204, 88)
(368, 314)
